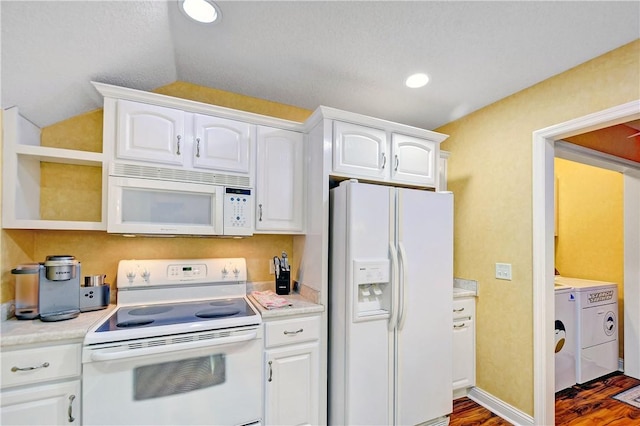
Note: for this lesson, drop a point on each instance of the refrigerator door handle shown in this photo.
(402, 303)
(393, 317)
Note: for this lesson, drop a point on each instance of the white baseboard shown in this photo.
(500, 408)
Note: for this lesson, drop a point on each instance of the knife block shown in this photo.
(283, 283)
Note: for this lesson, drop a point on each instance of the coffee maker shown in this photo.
(58, 295)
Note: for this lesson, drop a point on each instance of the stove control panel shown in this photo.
(186, 271)
(146, 273)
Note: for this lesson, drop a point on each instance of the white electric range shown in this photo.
(184, 346)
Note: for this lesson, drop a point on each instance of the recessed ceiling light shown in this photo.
(417, 80)
(203, 11)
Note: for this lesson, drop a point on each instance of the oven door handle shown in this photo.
(154, 350)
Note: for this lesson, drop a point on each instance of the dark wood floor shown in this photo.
(590, 404)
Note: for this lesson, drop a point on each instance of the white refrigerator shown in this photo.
(391, 293)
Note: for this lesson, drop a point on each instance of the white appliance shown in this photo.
(565, 333)
(391, 292)
(158, 206)
(597, 327)
(184, 346)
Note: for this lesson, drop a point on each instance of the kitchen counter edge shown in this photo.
(27, 332)
(299, 306)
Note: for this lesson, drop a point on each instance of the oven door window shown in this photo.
(174, 377)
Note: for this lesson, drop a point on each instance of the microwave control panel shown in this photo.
(238, 211)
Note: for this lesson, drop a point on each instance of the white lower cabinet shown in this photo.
(464, 343)
(292, 371)
(53, 404)
(41, 386)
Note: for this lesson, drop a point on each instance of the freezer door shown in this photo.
(423, 338)
(360, 383)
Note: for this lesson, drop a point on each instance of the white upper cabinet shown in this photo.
(221, 144)
(150, 133)
(279, 181)
(159, 134)
(377, 150)
(414, 161)
(360, 151)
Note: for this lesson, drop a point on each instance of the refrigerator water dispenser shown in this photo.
(371, 283)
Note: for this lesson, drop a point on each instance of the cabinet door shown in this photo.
(292, 385)
(360, 151)
(54, 404)
(463, 354)
(279, 180)
(150, 133)
(414, 160)
(221, 144)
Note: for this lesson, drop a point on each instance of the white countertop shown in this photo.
(25, 332)
(299, 306)
(462, 292)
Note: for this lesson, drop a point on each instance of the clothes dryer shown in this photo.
(565, 337)
(597, 327)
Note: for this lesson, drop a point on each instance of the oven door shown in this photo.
(148, 206)
(186, 383)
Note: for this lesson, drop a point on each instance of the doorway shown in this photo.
(545, 144)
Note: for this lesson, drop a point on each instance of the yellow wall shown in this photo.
(590, 241)
(100, 252)
(491, 177)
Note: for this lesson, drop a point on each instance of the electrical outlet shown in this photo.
(503, 271)
(272, 269)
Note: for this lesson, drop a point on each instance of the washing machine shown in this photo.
(565, 335)
(596, 308)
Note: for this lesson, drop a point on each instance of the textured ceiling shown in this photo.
(348, 55)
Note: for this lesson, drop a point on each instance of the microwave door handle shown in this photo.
(155, 350)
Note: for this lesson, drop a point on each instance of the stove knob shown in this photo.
(224, 272)
(146, 274)
(131, 275)
(236, 272)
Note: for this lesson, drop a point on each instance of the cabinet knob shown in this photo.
(198, 147)
(287, 333)
(397, 164)
(178, 145)
(270, 371)
(259, 212)
(384, 160)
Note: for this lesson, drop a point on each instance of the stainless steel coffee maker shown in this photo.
(58, 295)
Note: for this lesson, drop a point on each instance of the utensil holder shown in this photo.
(283, 283)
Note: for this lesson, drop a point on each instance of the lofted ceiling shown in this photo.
(350, 55)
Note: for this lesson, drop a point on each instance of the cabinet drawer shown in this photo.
(464, 308)
(286, 332)
(26, 366)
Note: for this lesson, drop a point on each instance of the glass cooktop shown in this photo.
(144, 316)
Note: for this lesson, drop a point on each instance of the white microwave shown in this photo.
(150, 206)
